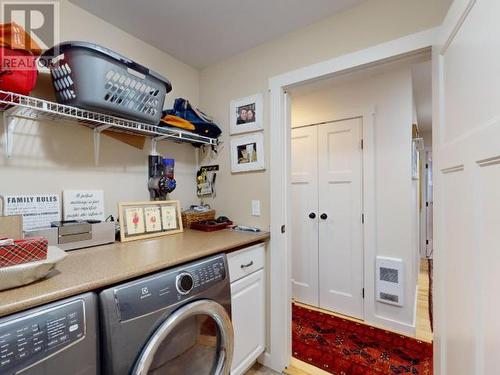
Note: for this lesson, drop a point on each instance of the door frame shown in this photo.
(368, 120)
(279, 348)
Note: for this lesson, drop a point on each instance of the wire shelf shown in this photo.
(15, 106)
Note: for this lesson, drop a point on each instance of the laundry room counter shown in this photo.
(97, 267)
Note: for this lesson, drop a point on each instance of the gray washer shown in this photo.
(55, 339)
(173, 322)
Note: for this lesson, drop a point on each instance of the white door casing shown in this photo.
(340, 225)
(467, 189)
(304, 194)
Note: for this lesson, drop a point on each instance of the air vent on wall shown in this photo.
(390, 278)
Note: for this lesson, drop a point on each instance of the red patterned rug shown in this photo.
(343, 347)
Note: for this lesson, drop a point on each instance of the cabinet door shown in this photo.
(305, 215)
(340, 209)
(248, 316)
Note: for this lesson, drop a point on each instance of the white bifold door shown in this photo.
(327, 233)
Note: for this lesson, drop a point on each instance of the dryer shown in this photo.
(59, 338)
(173, 322)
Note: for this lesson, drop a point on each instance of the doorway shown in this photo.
(356, 149)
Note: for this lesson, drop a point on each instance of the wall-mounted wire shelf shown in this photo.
(15, 107)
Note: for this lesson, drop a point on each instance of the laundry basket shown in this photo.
(92, 77)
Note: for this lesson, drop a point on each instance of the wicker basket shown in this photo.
(191, 216)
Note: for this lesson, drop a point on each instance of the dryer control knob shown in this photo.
(184, 283)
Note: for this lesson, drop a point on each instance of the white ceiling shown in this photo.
(203, 32)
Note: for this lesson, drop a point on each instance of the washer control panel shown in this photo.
(30, 338)
(159, 291)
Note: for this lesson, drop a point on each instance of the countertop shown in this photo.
(97, 267)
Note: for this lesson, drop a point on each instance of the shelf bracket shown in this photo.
(97, 140)
(154, 142)
(9, 122)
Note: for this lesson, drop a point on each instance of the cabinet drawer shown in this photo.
(244, 262)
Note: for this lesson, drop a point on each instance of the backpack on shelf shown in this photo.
(203, 124)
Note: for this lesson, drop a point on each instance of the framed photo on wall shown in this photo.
(246, 114)
(247, 153)
(140, 220)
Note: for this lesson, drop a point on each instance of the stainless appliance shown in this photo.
(173, 322)
(56, 339)
(76, 235)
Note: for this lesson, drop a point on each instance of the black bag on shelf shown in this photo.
(204, 124)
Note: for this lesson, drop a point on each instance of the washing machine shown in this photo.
(175, 322)
(56, 339)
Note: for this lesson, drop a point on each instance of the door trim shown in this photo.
(201, 307)
(279, 349)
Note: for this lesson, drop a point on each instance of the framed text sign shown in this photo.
(38, 210)
(83, 205)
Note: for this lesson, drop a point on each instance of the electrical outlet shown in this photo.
(255, 208)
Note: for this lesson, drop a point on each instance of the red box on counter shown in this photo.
(23, 251)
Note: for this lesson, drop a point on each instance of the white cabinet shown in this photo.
(246, 270)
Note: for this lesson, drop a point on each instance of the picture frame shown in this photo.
(247, 153)
(239, 112)
(148, 219)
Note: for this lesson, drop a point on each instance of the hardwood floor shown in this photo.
(423, 323)
(423, 327)
(258, 369)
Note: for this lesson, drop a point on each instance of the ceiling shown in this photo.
(204, 32)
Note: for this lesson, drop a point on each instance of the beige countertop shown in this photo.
(93, 268)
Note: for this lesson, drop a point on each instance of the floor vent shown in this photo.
(390, 278)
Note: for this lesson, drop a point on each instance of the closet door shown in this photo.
(340, 210)
(305, 215)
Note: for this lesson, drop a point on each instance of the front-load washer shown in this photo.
(170, 323)
(59, 338)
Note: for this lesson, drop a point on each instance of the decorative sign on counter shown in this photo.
(83, 205)
(38, 211)
(139, 220)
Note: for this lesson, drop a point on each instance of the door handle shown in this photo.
(312, 215)
(324, 216)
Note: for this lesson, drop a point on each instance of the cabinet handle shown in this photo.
(243, 266)
(324, 216)
(312, 215)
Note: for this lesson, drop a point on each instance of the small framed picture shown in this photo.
(140, 220)
(246, 114)
(247, 153)
(169, 217)
(134, 218)
(153, 219)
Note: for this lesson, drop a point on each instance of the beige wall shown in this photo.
(49, 157)
(373, 22)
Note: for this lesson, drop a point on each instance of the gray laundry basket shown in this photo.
(92, 77)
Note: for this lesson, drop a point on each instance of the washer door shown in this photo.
(195, 339)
